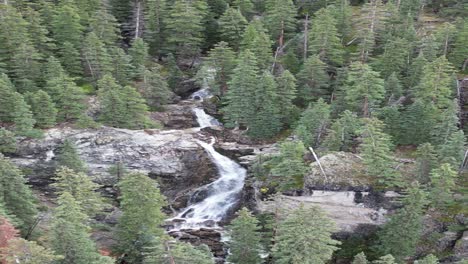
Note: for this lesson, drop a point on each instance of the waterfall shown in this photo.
(220, 195)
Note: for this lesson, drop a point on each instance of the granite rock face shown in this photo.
(173, 157)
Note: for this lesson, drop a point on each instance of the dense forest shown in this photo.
(383, 80)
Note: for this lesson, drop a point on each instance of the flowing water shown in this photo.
(219, 196)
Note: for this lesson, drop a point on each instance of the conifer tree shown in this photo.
(105, 26)
(364, 88)
(29, 252)
(185, 22)
(43, 109)
(415, 71)
(136, 190)
(239, 98)
(246, 7)
(447, 124)
(266, 122)
(139, 56)
(232, 26)
(7, 99)
(257, 41)
(245, 240)
(394, 57)
(377, 155)
(370, 22)
(178, 252)
(70, 58)
(324, 40)
(286, 94)
(453, 151)
(313, 123)
(400, 235)
(23, 117)
(16, 195)
(96, 57)
(69, 234)
(289, 168)
(80, 186)
(68, 157)
(387, 259)
(419, 119)
(360, 259)
(66, 26)
(342, 12)
(122, 68)
(280, 19)
(7, 141)
(429, 47)
(459, 55)
(136, 110)
(442, 185)
(222, 60)
(155, 88)
(26, 68)
(112, 102)
(342, 132)
(313, 80)
(393, 88)
(155, 15)
(303, 229)
(70, 104)
(429, 259)
(426, 161)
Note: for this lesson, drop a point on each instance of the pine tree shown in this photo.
(136, 110)
(7, 99)
(313, 80)
(39, 33)
(410, 8)
(96, 57)
(26, 68)
(370, 22)
(415, 71)
(155, 16)
(429, 259)
(178, 252)
(239, 98)
(313, 123)
(257, 41)
(232, 26)
(286, 94)
(342, 132)
(105, 26)
(419, 120)
(111, 102)
(429, 47)
(139, 56)
(444, 36)
(447, 124)
(66, 26)
(453, 151)
(70, 58)
(377, 155)
(266, 122)
(185, 22)
(80, 186)
(23, 117)
(394, 58)
(136, 190)
(245, 240)
(365, 89)
(436, 83)
(442, 185)
(426, 161)
(69, 234)
(387, 259)
(43, 109)
(360, 259)
(302, 230)
(68, 157)
(155, 89)
(222, 60)
(16, 196)
(459, 55)
(289, 168)
(280, 19)
(7, 141)
(393, 88)
(324, 40)
(29, 252)
(400, 235)
(122, 68)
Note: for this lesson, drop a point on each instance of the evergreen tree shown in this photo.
(459, 55)
(7, 99)
(442, 185)
(387, 259)
(245, 240)
(444, 36)
(155, 15)
(232, 26)
(178, 252)
(105, 26)
(16, 196)
(410, 8)
(447, 124)
(257, 41)
(139, 56)
(140, 218)
(370, 21)
(266, 122)
(239, 98)
(324, 40)
(289, 167)
(429, 259)
(415, 71)
(426, 161)
(112, 102)
(286, 94)
(185, 22)
(70, 104)
(69, 235)
(342, 132)
(66, 26)
(122, 68)
(28, 252)
(419, 119)
(400, 235)
(155, 88)
(222, 60)
(377, 155)
(96, 57)
(39, 33)
(365, 89)
(80, 186)
(280, 19)
(68, 157)
(7, 141)
(23, 117)
(436, 83)
(429, 47)
(313, 123)
(313, 80)
(302, 230)
(26, 68)
(43, 109)
(246, 7)
(393, 88)
(453, 151)
(394, 58)
(360, 259)
(136, 111)
(70, 58)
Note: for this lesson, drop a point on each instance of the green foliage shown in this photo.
(222, 60)
(178, 252)
(342, 132)
(429, 259)
(360, 259)
(394, 58)
(68, 157)
(280, 19)
(377, 155)
(155, 89)
(313, 80)
(286, 94)
(155, 14)
(442, 185)
(97, 60)
(232, 25)
(459, 54)
(28, 252)
(66, 26)
(387, 259)
(80, 186)
(7, 99)
(393, 88)
(43, 109)
(7, 141)
(257, 41)
(23, 118)
(105, 26)
(289, 168)
(426, 161)
(246, 7)
(140, 218)
(16, 196)
(313, 123)
(453, 151)
(139, 56)
(245, 239)
(400, 235)
(419, 120)
(26, 68)
(302, 230)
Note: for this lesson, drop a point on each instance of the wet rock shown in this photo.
(186, 87)
(177, 116)
(208, 236)
(461, 246)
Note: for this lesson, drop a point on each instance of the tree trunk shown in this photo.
(306, 35)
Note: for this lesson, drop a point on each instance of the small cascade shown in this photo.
(218, 197)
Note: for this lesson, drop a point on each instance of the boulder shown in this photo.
(176, 116)
(173, 157)
(461, 246)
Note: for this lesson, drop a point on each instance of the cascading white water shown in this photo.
(222, 194)
(205, 120)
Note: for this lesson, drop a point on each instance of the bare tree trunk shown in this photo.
(465, 64)
(318, 161)
(138, 13)
(168, 248)
(306, 35)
